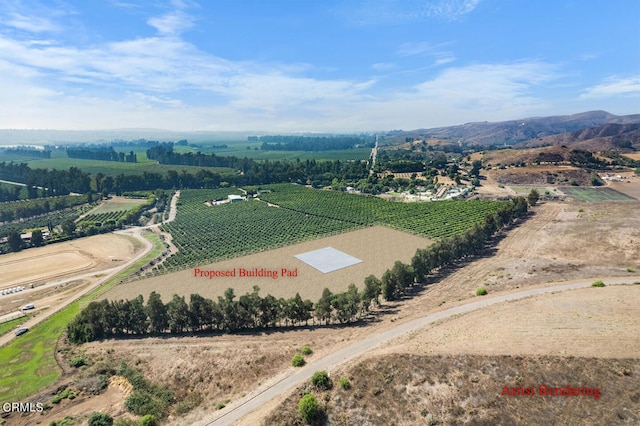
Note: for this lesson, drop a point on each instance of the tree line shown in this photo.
(107, 319)
(311, 143)
(101, 153)
(51, 182)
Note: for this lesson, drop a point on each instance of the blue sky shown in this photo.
(311, 65)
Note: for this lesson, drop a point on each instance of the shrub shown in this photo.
(598, 283)
(100, 419)
(308, 408)
(481, 291)
(306, 350)
(148, 420)
(78, 362)
(321, 380)
(67, 421)
(344, 383)
(220, 405)
(298, 360)
(189, 403)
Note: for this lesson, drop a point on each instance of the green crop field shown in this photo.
(60, 161)
(205, 234)
(248, 150)
(595, 194)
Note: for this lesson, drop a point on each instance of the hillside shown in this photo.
(516, 131)
(609, 136)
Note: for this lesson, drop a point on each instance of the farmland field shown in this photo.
(378, 247)
(247, 149)
(595, 194)
(206, 234)
(117, 204)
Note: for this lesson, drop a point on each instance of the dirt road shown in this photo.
(95, 278)
(234, 413)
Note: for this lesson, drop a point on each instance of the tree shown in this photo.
(533, 197)
(157, 313)
(308, 408)
(178, 314)
(15, 241)
(324, 306)
(475, 168)
(68, 227)
(372, 290)
(36, 238)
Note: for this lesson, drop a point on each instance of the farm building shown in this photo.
(234, 198)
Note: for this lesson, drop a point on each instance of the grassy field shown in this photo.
(8, 326)
(248, 150)
(595, 194)
(28, 362)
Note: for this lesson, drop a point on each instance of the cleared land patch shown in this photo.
(590, 322)
(14, 271)
(116, 204)
(62, 259)
(378, 247)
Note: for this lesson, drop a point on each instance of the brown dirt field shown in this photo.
(41, 264)
(378, 248)
(634, 156)
(407, 389)
(630, 186)
(590, 322)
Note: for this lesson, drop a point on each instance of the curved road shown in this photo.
(109, 273)
(236, 411)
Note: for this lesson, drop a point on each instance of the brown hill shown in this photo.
(620, 137)
(515, 131)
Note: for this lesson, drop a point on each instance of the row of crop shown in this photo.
(433, 220)
(13, 210)
(205, 234)
(103, 217)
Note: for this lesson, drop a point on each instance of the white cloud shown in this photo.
(438, 52)
(34, 24)
(614, 86)
(172, 23)
(488, 85)
(451, 9)
(384, 66)
(395, 12)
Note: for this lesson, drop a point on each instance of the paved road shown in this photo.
(237, 410)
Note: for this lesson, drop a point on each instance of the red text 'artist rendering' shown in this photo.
(544, 390)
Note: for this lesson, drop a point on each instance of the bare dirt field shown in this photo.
(51, 269)
(633, 156)
(630, 185)
(41, 264)
(591, 322)
(378, 247)
(115, 204)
